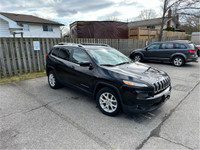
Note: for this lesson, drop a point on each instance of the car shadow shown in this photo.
(80, 95)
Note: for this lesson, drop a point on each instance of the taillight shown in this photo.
(192, 51)
(46, 56)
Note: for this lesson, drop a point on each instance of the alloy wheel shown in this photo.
(137, 58)
(52, 80)
(108, 102)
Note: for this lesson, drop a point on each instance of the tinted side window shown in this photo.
(79, 56)
(64, 53)
(192, 46)
(154, 46)
(179, 46)
(55, 51)
(167, 46)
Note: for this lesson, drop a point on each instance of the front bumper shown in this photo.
(148, 104)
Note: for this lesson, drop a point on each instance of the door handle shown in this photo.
(72, 67)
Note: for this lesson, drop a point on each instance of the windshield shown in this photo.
(108, 56)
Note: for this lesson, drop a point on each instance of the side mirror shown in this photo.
(146, 48)
(85, 64)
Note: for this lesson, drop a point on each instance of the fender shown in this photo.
(134, 53)
(108, 85)
(178, 54)
(49, 68)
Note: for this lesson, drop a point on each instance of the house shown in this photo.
(28, 26)
(169, 21)
(154, 23)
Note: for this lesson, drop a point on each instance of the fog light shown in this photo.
(142, 95)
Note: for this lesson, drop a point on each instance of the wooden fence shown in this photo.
(17, 55)
(143, 33)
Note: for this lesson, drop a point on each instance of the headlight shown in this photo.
(134, 83)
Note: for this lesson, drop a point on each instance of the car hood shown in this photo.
(137, 72)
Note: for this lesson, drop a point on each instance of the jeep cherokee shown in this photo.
(115, 81)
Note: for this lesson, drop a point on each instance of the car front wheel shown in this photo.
(178, 61)
(108, 102)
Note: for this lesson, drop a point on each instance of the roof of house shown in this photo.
(148, 22)
(29, 19)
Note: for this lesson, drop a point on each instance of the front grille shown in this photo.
(161, 85)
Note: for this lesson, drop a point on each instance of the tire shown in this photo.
(137, 58)
(108, 102)
(178, 61)
(53, 81)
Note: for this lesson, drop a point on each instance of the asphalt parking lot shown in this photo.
(34, 116)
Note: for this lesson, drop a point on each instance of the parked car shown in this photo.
(114, 80)
(198, 52)
(177, 53)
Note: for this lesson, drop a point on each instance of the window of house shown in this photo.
(25, 27)
(79, 56)
(151, 27)
(47, 28)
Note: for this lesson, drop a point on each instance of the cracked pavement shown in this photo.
(34, 116)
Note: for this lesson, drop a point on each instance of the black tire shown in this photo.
(178, 61)
(108, 102)
(137, 58)
(53, 81)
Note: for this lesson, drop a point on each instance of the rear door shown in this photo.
(166, 50)
(64, 68)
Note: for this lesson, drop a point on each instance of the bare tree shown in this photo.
(179, 7)
(112, 18)
(147, 14)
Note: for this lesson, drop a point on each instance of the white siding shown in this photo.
(36, 30)
(4, 31)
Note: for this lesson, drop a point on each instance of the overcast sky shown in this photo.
(68, 11)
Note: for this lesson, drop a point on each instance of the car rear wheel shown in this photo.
(52, 80)
(137, 57)
(108, 102)
(178, 61)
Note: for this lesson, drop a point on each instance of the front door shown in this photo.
(82, 76)
(152, 51)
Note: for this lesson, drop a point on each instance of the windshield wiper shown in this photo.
(127, 62)
(107, 65)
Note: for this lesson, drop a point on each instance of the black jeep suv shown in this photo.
(113, 79)
(178, 53)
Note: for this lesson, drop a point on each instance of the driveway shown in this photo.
(34, 116)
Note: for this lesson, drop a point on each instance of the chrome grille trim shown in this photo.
(161, 85)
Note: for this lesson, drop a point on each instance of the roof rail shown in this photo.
(69, 44)
(95, 44)
(83, 44)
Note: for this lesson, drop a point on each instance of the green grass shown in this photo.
(21, 77)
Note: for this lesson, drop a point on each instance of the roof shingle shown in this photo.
(29, 19)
